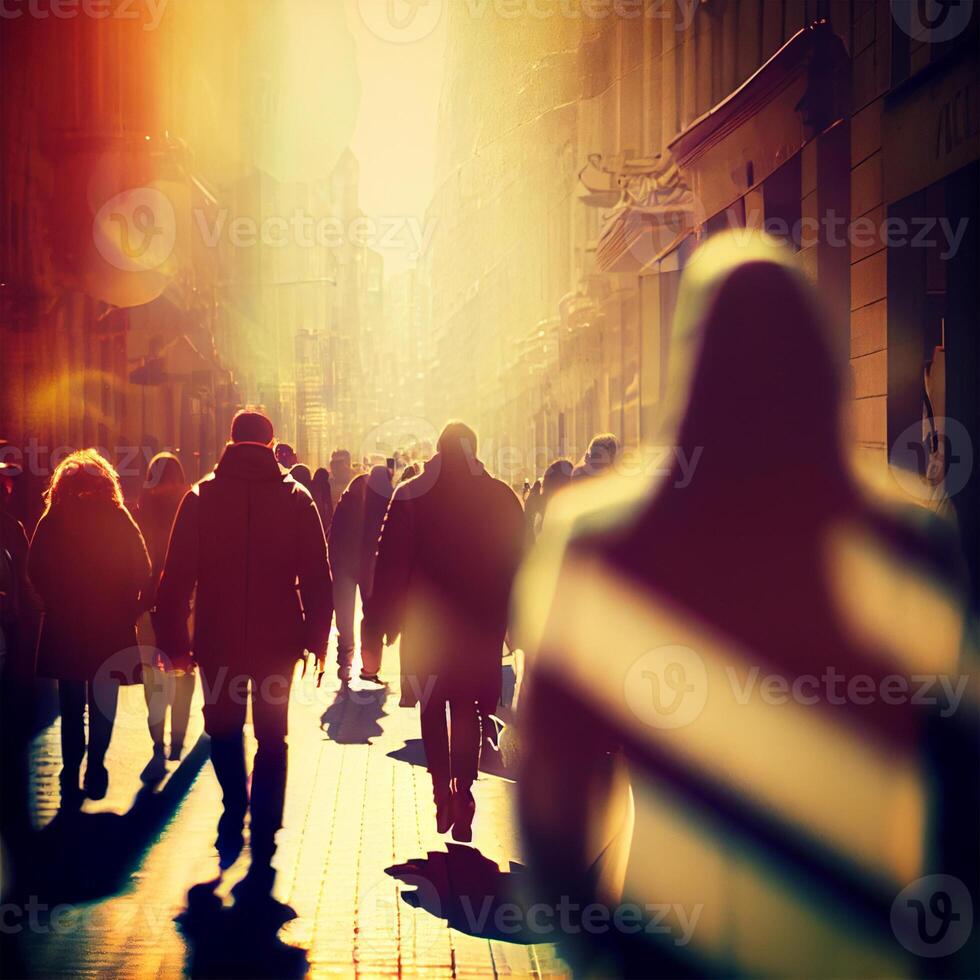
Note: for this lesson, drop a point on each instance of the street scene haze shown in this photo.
(490, 488)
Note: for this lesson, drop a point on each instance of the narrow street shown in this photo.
(358, 802)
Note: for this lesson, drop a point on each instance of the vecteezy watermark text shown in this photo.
(149, 12)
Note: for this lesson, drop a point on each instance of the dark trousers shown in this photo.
(102, 698)
(451, 740)
(226, 697)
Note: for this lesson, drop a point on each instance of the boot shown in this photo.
(156, 768)
(96, 779)
(443, 797)
(463, 811)
(71, 793)
(230, 840)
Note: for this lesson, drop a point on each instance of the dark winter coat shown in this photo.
(89, 565)
(450, 546)
(356, 526)
(249, 538)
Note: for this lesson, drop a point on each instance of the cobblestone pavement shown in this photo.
(358, 803)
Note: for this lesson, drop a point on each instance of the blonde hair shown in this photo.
(83, 475)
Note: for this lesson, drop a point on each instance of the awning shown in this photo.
(797, 94)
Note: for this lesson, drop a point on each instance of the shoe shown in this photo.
(156, 768)
(443, 797)
(257, 883)
(343, 675)
(176, 751)
(229, 846)
(372, 679)
(464, 809)
(96, 782)
(71, 793)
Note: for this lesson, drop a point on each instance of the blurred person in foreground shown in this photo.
(352, 545)
(245, 536)
(89, 565)
(449, 549)
(721, 707)
(165, 684)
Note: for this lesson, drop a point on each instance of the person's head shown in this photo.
(285, 455)
(556, 476)
(301, 474)
(601, 454)
(164, 479)
(410, 471)
(340, 462)
(166, 472)
(457, 439)
(249, 426)
(752, 349)
(83, 477)
(379, 481)
(321, 480)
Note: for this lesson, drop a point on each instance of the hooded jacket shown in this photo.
(249, 538)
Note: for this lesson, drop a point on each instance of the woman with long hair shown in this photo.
(89, 565)
(165, 684)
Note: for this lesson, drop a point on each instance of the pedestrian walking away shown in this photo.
(89, 565)
(449, 549)
(244, 537)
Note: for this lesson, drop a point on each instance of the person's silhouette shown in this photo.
(449, 549)
(692, 626)
(244, 537)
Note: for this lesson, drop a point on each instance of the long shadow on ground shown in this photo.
(353, 716)
(471, 893)
(80, 857)
(240, 940)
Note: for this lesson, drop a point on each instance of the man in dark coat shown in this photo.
(245, 536)
(449, 549)
(353, 544)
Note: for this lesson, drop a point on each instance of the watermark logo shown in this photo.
(667, 687)
(384, 912)
(135, 230)
(404, 433)
(401, 21)
(933, 916)
(148, 12)
(932, 21)
(932, 460)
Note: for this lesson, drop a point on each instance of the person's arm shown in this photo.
(142, 567)
(173, 599)
(393, 566)
(315, 588)
(39, 563)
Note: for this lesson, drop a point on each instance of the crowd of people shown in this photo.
(239, 576)
(755, 560)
